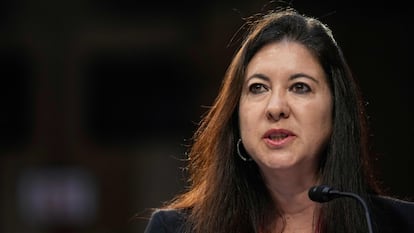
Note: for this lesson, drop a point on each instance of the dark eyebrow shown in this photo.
(295, 76)
(302, 75)
(259, 76)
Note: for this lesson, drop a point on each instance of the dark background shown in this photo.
(99, 99)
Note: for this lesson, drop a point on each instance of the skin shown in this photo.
(285, 92)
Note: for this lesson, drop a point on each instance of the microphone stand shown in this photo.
(357, 197)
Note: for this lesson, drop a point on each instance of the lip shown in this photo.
(278, 138)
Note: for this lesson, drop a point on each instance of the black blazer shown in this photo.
(390, 215)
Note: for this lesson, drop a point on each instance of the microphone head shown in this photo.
(321, 193)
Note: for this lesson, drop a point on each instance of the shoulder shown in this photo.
(165, 221)
(403, 207)
(394, 214)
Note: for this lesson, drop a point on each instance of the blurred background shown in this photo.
(99, 99)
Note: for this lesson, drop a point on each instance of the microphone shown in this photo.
(325, 193)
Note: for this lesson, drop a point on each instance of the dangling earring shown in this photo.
(244, 158)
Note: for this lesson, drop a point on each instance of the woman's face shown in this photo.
(285, 111)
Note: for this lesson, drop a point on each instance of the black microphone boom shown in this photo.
(324, 193)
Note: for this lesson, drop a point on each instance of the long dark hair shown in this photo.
(226, 194)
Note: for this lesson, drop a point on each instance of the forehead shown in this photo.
(287, 56)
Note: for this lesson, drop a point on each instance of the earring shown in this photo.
(244, 158)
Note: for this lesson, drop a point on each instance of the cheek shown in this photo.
(320, 123)
(247, 116)
(243, 118)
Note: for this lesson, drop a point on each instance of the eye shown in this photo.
(257, 88)
(300, 88)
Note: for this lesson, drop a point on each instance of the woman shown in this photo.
(289, 116)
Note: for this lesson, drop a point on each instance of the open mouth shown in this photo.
(277, 137)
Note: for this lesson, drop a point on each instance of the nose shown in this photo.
(277, 107)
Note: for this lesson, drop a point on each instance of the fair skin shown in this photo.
(285, 118)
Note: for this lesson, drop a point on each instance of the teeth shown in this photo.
(278, 137)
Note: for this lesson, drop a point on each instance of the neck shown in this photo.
(298, 213)
(290, 190)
